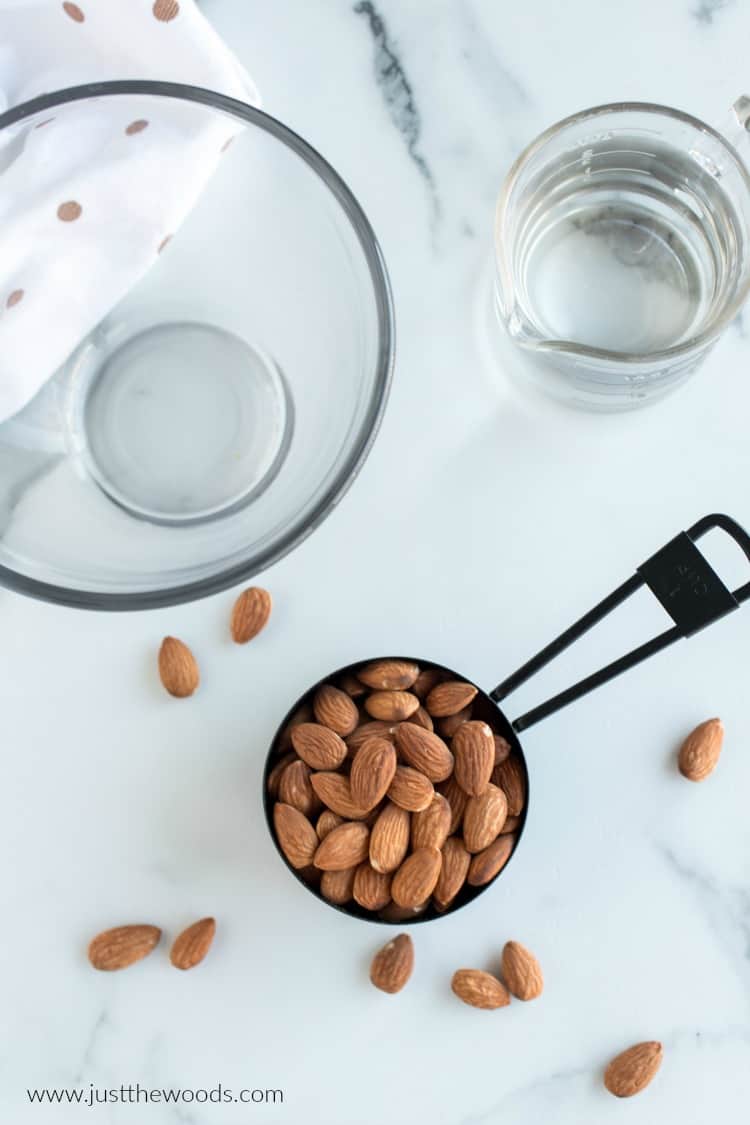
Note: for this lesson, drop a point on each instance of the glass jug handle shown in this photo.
(736, 126)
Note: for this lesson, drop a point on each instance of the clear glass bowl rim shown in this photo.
(694, 343)
(175, 595)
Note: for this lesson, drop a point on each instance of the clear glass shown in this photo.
(621, 249)
(222, 407)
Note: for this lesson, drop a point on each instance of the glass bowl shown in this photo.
(221, 408)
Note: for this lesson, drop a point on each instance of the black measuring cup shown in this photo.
(684, 583)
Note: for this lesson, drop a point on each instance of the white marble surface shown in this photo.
(483, 522)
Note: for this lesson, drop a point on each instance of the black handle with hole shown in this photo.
(680, 578)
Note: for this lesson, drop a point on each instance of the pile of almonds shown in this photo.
(388, 792)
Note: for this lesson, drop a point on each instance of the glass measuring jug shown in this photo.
(622, 251)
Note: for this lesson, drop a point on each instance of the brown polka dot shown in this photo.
(14, 298)
(164, 243)
(46, 121)
(136, 127)
(73, 11)
(70, 211)
(166, 10)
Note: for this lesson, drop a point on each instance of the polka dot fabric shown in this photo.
(92, 192)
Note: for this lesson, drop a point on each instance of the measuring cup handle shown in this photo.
(736, 126)
(680, 578)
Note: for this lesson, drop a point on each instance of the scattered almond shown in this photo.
(352, 685)
(700, 751)
(502, 748)
(123, 946)
(479, 989)
(250, 614)
(421, 718)
(521, 971)
(178, 668)
(192, 945)
(274, 777)
(377, 728)
(633, 1069)
(393, 964)
(426, 681)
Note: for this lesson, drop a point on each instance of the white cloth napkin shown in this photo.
(91, 192)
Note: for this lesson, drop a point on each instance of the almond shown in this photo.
(450, 724)
(488, 863)
(425, 751)
(393, 965)
(347, 846)
(335, 792)
(474, 752)
(700, 751)
(453, 871)
(389, 838)
(352, 685)
(372, 889)
(421, 718)
(295, 788)
(521, 971)
(430, 827)
(479, 989)
(326, 823)
(426, 681)
(178, 668)
(388, 675)
(319, 746)
(509, 777)
(297, 838)
(274, 777)
(502, 748)
(338, 886)
(370, 730)
(192, 945)
(250, 614)
(415, 879)
(123, 946)
(457, 799)
(510, 826)
(450, 697)
(392, 706)
(372, 772)
(303, 714)
(632, 1070)
(395, 913)
(335, 709)
(410, 789)
(484, 818)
